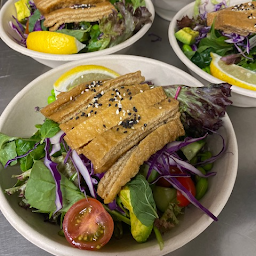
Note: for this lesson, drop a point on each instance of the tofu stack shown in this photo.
(58, 12)
(117, 124)
(239, 19)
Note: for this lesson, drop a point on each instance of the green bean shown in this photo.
(53, 93)
(51, 99)
(186, 48)
(205, 156)
(202, 170)
(201, 188)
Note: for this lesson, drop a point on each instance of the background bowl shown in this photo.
(19, 119)
(241, 97)
(166, 9)
(53, 60)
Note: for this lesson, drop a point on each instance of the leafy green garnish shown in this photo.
(33, 19)
(41, 190)
(142, 200)
(49, 129)
(79, 34)
(7, 149)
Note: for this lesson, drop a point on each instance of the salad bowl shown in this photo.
(241, 97)
(45, 235)
(10, 37)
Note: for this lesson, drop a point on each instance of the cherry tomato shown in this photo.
(163, 182)
(188, 183)
(87, 225)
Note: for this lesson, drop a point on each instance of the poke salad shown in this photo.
(77, 26)
(101, 163)
(220, 38)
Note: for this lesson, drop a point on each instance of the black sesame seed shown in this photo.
(125, 131)
(77, 117)
(129, 113)
(135, 109)
(145, 125)
(117, 129)
(83, 114)
(130, 98)
(104, 125)
(109, 104)
(116, 105)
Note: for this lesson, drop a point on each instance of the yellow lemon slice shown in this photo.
(82, 74)
(232, 74)
(53, 42)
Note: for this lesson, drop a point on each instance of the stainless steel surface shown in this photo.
(235, 232)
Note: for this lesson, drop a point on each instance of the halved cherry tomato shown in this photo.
(87, 225)
(187, 182)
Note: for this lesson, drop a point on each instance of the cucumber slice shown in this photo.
(192, 149)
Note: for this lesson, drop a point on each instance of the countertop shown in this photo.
(235, 232)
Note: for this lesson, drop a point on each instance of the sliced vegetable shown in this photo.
(87, 225)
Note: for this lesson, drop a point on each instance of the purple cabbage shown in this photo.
(21, 156)
(84, 172)
(52, 166)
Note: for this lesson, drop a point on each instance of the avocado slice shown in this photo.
(139, 231)
(22, 9)
(187, 35)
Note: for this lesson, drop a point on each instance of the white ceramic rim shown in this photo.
(59, 57)
(53, 247)
(190, 64)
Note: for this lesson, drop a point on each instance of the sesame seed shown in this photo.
(77, 117)
(70, 98)
(117, 111)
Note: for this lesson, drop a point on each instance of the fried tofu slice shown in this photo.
(239, 19)
(112, 116)
(128, 165)
(69, 103)
(91, 13)
(104, 150)
(47, 6)
(111, 97)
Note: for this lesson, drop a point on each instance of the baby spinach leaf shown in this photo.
(33, 19)
(49, 129)
(142, 200)
(7, 149)
(40, 190)
(80, 35)
(8, 152)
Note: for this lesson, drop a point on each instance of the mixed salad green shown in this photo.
(129, 18)
(57, 182)
(234, 48)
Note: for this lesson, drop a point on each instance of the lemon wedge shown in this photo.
(82, 74)
(53, 42)
(232, 74)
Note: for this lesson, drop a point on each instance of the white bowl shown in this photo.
(166, 9)
(19, 118)
(241, 97)
(53, 60)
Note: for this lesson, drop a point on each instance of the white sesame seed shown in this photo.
(117, 111)
(82, 92)
(160, 107)
(70, 98)
(141, 90)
